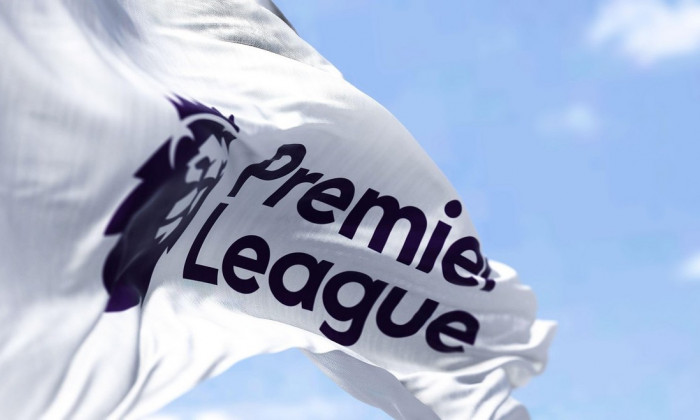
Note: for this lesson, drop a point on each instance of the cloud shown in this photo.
(577, 119)
(690, 269)
(648, 30)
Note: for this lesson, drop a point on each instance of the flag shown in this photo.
(188, 184)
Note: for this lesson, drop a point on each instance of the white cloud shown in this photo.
(648, 30)
(577, 119)
(690, 269)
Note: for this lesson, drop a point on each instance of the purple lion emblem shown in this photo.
(174, 183)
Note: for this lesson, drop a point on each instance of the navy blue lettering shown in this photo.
(300, 177)
(453, 258)
(490, 283)
(441, 325)
(437, 239)
(319, 192)
(307, 294)
(392, 213)
(388, 306)
(295, 152)
(356, 314)
(233, 259)
(198, 272)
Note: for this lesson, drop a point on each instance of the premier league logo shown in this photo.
(174, 183)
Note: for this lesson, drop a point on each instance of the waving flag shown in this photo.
(187, 184)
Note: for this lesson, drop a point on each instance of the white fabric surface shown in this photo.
(87, 93)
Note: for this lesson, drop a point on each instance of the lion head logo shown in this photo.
(175, 180)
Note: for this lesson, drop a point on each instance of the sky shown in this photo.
(570, 130)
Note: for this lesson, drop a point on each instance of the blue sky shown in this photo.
(571, 131)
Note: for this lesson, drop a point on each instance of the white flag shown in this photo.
(187, 184)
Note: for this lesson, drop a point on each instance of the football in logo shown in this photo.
(174, 182)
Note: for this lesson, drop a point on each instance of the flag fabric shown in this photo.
(188, 184)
